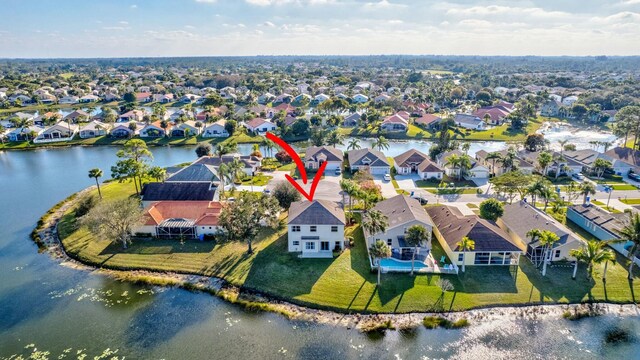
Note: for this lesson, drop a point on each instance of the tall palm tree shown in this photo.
(534, 235)
(235, 167)
(96, 174)
(587, 188)
(381, 143)
(416, 236)
(493, 156)
(544, 160)
(334, 138)
(454, 160)
(631, 232)
(593, 253)
(562, 144)
(375, 222)
(379, 250)
(223, 173)
(349, 187)
(465, 164)
(465, 245)
(353, 144)
(510, 160)
(547, 240)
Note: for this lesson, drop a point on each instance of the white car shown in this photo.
(387, 177)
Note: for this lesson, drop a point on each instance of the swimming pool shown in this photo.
(392, 264)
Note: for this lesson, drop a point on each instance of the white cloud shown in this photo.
(382, 4)
(493, 10)
(206, 1)
(124, 23)
(190, 27)
(395, 22)
(115, 28)
(268, 24)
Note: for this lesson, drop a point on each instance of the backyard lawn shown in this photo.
(257, 180)
(345, 283)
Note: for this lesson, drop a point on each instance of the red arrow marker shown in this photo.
(292, 153)
(301, 169)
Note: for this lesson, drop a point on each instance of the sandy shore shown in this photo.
(221, 288)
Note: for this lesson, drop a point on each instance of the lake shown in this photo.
(59, 310)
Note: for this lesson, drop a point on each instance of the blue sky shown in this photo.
(117, 28)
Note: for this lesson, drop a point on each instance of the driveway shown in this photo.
(328, 187)
(388, 191)
(407, 182)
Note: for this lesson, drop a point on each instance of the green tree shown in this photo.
(379, 250)
(547, 240)
(96, 174)
(203, 149)
(381, 143)
(114, 220)
(286, 194)
(416, 236)
(544, 160)
(158, 173)
(491, 209)
(587, 188)
(137, 151)
(230, 126)
(600, 166)
(334, 138)
(350, 188)
(354, 144)
(243, 219)
(631, 232)
(466, 244)
(593, 253)
(375, 222)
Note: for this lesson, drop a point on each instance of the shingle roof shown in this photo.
(453, 226)
(195, 173)
(332, 154)
(626, 155)
(377, 157)
(520, 217)
(411, 156)
(178, 191)
(317, 212)
(402, 209)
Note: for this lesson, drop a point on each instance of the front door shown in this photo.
(324, 246)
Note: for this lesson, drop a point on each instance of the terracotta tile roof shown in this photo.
(201, 212)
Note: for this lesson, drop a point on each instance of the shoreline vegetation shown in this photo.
(339, 291)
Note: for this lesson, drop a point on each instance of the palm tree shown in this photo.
(454, 160)
(466, 244)
(509, 160)
(544, 160)
(96, 174)
(631, 232)
(593, 253)
(416, 236)
(223, 173)
(375, 222)
(349, 187)
(534, 235)
(562, 144)
(158, 173)
(334, 138)
(465, 164)
(547, 241)
(493, 156)
(379, 250)
(547, 194)
(381, 143)
(225, 148)
(235, 167)
(353, 144)
(587, 188)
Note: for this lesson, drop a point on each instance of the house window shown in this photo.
(482, 258)
(324, 246)
(460, 257)
(389, 242)
(295, 228)
(310, 245)
(334, 229)
(313, 228)
(557, 254)
(295, 243)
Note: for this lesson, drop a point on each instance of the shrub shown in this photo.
(616, 336)
(432, 322)
(491, 209)
(283, 157)
(87, 203)
(285, 193)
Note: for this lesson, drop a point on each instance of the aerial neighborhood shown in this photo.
(424, 172)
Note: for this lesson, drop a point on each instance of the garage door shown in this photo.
(379, 170)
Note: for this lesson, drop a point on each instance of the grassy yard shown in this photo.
(631, 201)
(447, 180)
(345, 283)
(258, 180)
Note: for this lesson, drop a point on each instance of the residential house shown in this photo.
(551, 108)
(477, 171)
(320, 98)
(315, 156)
(359, 99)
(394, 122)
(181, 129)
(61, 131)
(155, 130)
(493, 246)
(216, 129)
(368, 160)
(565, 165)
(624, 160)
(163, 98)
(266, 98)
(382, 98)
(259, 125)
(196, 173)
(123, 130)
(177, 191)
(94, 128)
(417, 162)
(402, 213)
(251, 164)
(89, 99)
(520, 217)
(352, 120)
(428, 121)
(144, 97)
(603, 225)
(181, 219)
(469, 122)
(133, 115)
(569, 100)
(77, 116)
(68, 100)
(496, 167)
(24, 133)
(494, 115)
(315, 228)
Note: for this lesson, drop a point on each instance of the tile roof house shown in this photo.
(469, 122)
(77, 116)
(414, 161)
(316, 155)
(181, 219)
(352, 120)
(369, 160)
(61, 131)
(177, 191)
(315, 228)
(495, 167)
(429, 121)
(402, 212)
(259, 125)
(492, 245)
(395, 122)
(216, 129)
(155, 130)
(94, 128)
(477, 170)
(251, 163)
(520, 217)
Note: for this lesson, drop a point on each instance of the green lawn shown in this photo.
(631, 201)
(258, 180)
(345, 283)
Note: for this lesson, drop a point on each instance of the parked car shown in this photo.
(578, 176)
(266, 192)
(338, 171)
(634, 177)
(421, 198)
(387, 177)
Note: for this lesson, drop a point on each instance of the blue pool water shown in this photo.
(393, 263)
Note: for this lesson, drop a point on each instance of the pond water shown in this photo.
(62, 311)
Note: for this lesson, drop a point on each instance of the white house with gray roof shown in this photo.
(402, 212)
(369, 160)
(315, 156)
(315, 228)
